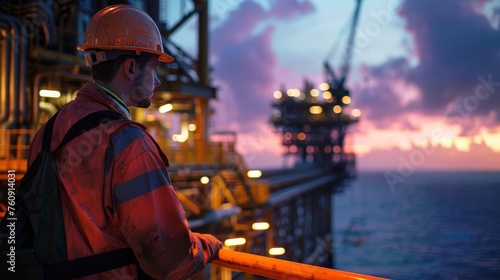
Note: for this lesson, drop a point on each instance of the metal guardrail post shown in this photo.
(281, 269)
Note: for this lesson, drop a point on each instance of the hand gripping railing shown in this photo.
(281, 269)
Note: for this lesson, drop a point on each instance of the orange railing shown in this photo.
(281, 269)
(14, 147)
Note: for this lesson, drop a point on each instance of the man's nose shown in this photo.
(157, 81)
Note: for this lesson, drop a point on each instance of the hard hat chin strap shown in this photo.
(94, 57)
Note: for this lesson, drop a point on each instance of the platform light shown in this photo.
(327, 95)
(183, 136)
(324, 86)
(314, 92)
(315, 110)
(356, 113)
(277, 94)
(192, 127)
(337, 149)
(260, 226)
(337, 109)
(166, 108)
(477, 139)
(301, 136)
(235, 241)
(204, 180)
(310, 149)
(327, 149)
(346, 99)
(254, 173)
(50, 93)
(293, 92)
(276, 251)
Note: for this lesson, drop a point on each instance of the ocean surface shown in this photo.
(436, 225)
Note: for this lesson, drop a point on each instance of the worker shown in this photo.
(115, 189)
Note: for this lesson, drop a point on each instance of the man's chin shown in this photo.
(144, 104)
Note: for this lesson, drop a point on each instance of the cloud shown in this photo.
(247, 69)
(479, 157)
(287, 8)
(379, 101)
(237, 27)
(457, 77)
(244, 60)
(455, 46)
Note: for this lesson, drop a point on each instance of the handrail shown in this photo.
(281, 269)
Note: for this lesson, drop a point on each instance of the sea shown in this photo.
(424, 225)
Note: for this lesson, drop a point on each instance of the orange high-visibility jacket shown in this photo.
(116, 193)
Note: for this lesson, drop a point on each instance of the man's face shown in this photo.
(145, 83)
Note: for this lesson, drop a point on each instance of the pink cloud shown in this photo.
(237, 27)
(457, 78)
(287, 8)
(244, 60)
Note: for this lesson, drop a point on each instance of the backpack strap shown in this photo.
(86, 123)
(90, 265)
(95, 263)
(47, 133)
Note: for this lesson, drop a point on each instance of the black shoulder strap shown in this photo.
(90, 265)
(88, 122)
(47, 133)
(96, 263)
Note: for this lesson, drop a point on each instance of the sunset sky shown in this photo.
(425, 74)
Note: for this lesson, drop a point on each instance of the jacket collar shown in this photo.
(99, 94)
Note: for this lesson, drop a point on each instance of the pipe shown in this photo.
(36, 97)
(48, 107)
(281, 269)
(215, 216)
(42, 13)
(45, 22)
(280, 181)
(19, 116)
(38, 83)
(280, 197)
(13, 70)
(4, 78)
(22, 91)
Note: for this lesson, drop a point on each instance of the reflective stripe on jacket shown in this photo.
(116, 193)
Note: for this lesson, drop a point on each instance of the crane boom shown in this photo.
(344, 69)
(350, 43)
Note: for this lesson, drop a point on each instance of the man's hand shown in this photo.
(210, 244)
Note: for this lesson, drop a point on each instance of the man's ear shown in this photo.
(129, 68)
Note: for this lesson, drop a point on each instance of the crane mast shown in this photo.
(344, 69)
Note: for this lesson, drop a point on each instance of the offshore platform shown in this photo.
(313, 122)
(284, 213)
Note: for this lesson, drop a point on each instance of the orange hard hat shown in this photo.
(121, 28)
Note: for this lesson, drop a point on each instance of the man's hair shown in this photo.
(106, 71)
